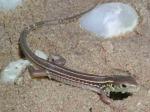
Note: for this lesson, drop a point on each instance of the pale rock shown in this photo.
(110, 19)
(13, 71)
(9, 4)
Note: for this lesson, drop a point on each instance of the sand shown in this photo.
(83, 52)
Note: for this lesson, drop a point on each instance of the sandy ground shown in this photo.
(83, 51)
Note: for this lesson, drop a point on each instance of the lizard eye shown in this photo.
(124, 86)
(113, 85)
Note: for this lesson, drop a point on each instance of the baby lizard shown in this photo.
(102, 85)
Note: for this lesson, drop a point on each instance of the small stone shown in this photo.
(41, 54)
(148, 92)
(13, 71)
(138, 104)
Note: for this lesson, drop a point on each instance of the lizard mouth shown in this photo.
(119, 95)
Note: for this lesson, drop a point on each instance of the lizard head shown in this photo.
(122, 84)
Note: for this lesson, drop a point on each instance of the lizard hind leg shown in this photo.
(37, 72)
(106, 100)
(40, 72)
